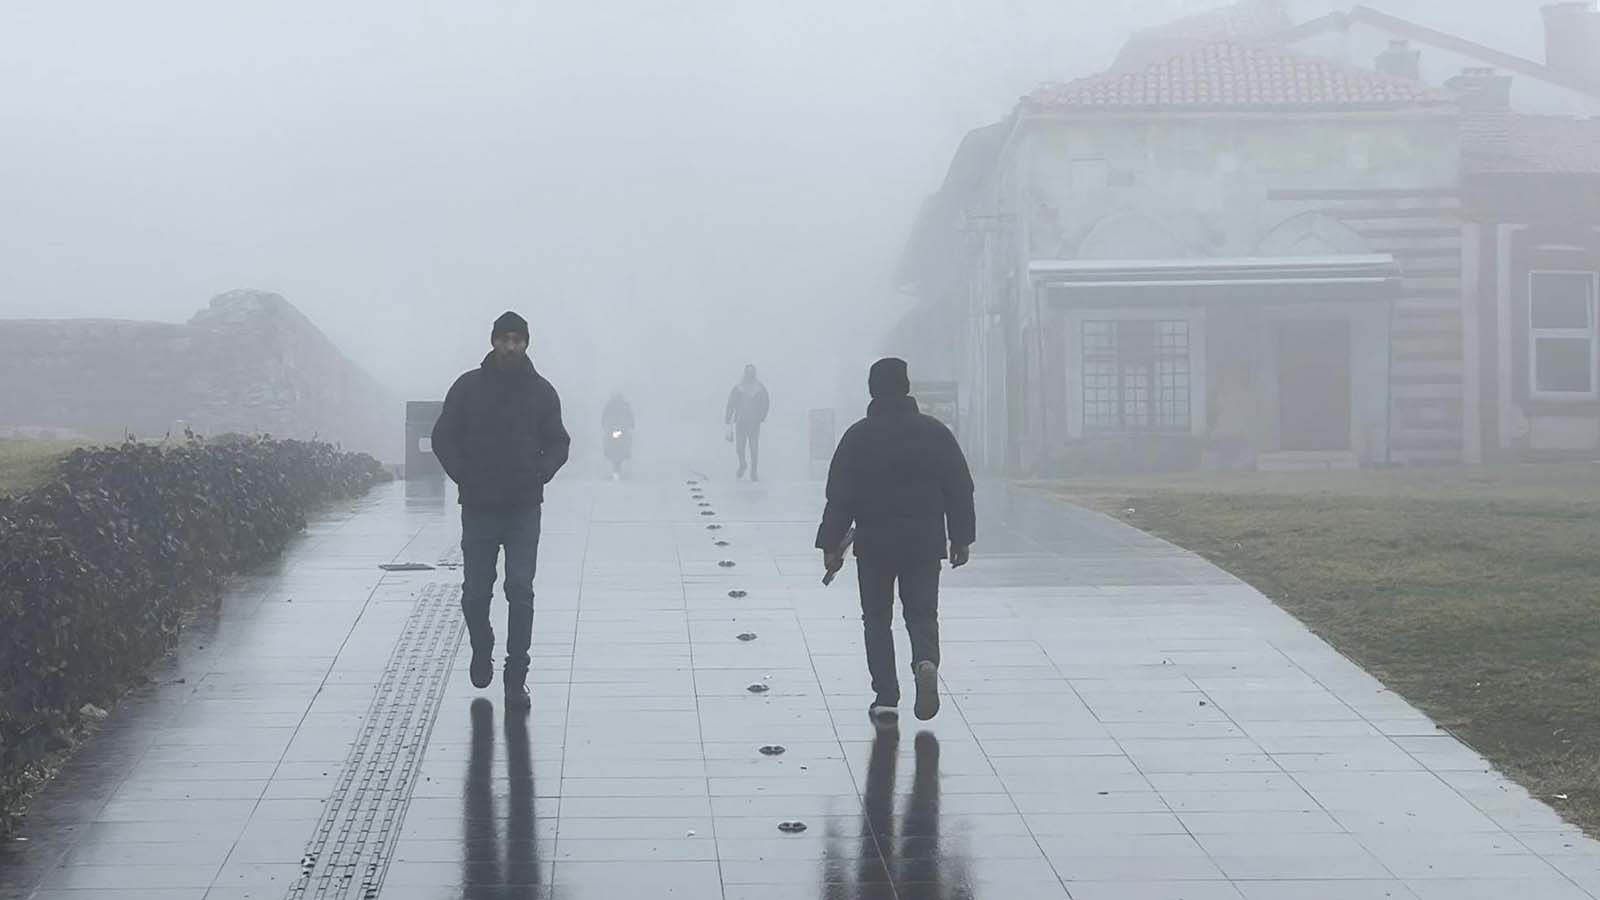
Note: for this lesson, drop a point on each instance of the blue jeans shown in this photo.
(483, 533)
(749, 436)
(919, 606)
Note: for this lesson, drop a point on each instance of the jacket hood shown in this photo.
(525, 367)
(892, 406)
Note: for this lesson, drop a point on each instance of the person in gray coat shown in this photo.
(748, 404)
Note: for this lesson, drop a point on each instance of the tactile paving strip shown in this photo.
(350, 849)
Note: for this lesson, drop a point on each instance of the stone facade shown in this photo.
(1241, 188)
(1241, 257)
(248, 363)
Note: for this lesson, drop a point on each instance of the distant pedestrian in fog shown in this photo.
(500, 439)
(747, 409)
(616, 427)
(900, 478)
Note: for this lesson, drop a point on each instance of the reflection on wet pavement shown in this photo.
(905, 849)
(490, 869)
(1122, 722)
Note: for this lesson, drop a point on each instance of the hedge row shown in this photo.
(98, 566)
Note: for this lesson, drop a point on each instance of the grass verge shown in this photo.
(27, 464)
(1473, 592)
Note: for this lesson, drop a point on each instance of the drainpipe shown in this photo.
(1388, 389)
(1038, 354)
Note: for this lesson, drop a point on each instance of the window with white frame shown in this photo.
(1135, 376)
(1563, 344)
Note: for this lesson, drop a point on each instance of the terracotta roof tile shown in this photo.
(1232, 75)
(1514, 144)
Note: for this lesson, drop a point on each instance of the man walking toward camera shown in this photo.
(900, 477)
(747, 407)
(500, 439)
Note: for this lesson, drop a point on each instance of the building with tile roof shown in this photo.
(1412, 215)
(1195, 263)
(1237, 76)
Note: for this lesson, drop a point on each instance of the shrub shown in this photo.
(98, 566)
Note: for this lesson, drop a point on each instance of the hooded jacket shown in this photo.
(748, 405)
(901, 478)
(500, 436)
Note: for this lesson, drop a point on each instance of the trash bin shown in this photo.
(420, 461)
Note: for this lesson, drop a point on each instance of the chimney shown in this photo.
(1572, 41)
(1481, 90)
(1401, 61)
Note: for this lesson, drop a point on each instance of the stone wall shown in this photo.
(1103, 187)
(249, 362)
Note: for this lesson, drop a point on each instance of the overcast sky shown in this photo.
(667, 189)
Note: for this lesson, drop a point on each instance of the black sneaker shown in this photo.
(482, 669)
(927, 690)
(884, 713)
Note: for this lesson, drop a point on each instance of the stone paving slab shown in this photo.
(1122, 722)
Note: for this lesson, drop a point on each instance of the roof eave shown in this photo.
(1338, 278)
(1254, 268)
(1406, 111)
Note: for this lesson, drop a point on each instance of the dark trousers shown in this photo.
(919, 602)
(483, 533)
(749, 436)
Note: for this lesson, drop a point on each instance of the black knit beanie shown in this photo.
(888, 378)
(510, 323)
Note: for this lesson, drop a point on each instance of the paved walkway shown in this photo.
(1122, 721)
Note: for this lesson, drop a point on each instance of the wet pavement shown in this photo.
(1122, 722)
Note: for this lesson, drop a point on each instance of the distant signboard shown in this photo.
(420, 461)
(940, 400)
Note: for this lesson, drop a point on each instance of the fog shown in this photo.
(667, 190)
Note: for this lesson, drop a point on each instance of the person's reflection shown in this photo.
(483, 877)
(522, 848)
(875, 862)
(919, 851)
(906, 849)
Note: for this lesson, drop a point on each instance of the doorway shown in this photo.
(1314, 386)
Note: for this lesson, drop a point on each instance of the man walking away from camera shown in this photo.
(900, 477)
(500, 439)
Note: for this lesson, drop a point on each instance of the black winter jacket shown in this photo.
(500, 436)
(747, 411)
(900, 477)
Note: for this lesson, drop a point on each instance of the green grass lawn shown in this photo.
(25, 464)
(1474, 592)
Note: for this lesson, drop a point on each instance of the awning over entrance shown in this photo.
(1119, 282)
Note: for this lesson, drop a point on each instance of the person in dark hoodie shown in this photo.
(900, 478)
(748, 404)
(500, 439)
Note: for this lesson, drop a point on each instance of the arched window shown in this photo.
(1133, 236)
(1311, 234)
